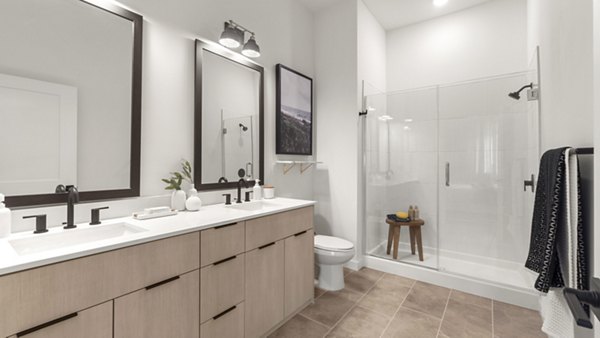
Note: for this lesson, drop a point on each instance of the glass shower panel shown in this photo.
(484, 157)
(401, 158)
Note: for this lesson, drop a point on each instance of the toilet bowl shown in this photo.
(331, 253)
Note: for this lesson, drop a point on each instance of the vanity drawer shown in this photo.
(221, 286)
(228, 324)
(264, 230)
(221, 242)
(95, 322)
(42, 294)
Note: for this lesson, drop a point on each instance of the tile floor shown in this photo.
(376, 304)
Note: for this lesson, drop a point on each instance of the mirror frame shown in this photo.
(211, 47)
(136, 124)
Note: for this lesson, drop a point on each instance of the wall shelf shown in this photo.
(289, 164)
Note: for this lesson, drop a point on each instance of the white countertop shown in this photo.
(154, 229)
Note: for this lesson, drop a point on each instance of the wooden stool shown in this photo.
(414, 228)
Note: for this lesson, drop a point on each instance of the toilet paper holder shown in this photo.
(578, 301)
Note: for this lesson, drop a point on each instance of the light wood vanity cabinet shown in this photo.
(34, 297)
(264, 288)
(299, 271)
(169, 308)
(237, 280)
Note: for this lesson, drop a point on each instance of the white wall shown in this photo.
(488, 39)
(564, 32)
(335, 185)
(168, 86)
(349, 48)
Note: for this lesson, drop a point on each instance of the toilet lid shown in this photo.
(332, 243)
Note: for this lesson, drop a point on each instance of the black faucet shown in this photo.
(72, 198)
(239, 189)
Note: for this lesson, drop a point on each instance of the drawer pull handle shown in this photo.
(224, 226)
(45, 325)
(265, 246)
(224, 260)
(224, 312)
(162, 282)
(300, 233)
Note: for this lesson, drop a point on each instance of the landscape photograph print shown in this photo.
(294, 112)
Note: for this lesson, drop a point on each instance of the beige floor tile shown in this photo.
(360, 322)
(515, 321)
(318, 292)
(462, 320)
(409, 324)
(300, 327)
(468, 298)
(347, 271)
(387, 294)
(331, 306)
(396, 280)
(362, 280)
(427, 298)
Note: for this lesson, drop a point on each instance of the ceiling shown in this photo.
(393, 14)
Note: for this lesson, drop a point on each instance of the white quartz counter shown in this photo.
(152, 229)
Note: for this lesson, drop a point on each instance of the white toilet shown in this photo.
(331, 254)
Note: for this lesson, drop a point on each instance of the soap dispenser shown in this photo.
(5, 218)
(257, 190)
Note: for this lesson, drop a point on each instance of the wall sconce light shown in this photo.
(233, 37)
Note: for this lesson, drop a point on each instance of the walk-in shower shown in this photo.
(461, 153)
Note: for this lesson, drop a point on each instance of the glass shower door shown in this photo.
(485, 150)
(401, 161)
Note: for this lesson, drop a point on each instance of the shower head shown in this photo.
(244, 128)
(516, 95)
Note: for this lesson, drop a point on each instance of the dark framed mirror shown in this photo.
(228, 119)
(70, 100)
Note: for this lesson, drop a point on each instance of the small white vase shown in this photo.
(193, 203)
(192, 192)
(178, 200)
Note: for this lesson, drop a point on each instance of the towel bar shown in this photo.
(576, 300)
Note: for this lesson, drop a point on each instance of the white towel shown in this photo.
(557, 318)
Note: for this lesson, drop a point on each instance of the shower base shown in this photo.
(505, 281)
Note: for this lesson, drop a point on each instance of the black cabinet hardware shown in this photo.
(227, 199)
(225, 225)
(300, 233)
(40, 223)
(169, 280)
(224, 312)
(45, 325)
(247, 199)
(224, 260)
(96, 215)
(265, 246)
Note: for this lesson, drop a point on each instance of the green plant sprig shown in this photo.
(173, 182)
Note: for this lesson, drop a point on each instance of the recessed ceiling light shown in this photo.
(439, 3)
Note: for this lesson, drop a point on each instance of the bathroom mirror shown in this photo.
(70, 100)
(228, 118)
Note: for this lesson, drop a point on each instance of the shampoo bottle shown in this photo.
(257, 190)
(5, 218)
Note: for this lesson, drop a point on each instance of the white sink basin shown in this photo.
(52, 241)
(254, 205)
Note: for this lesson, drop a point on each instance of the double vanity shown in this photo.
(224, 271)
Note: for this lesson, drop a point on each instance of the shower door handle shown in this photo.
(447, 174)
(528, 183)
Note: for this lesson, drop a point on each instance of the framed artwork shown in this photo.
(294, 112)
